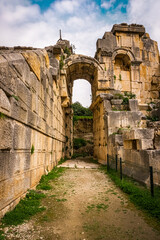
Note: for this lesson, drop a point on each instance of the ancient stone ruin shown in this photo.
(36, 126)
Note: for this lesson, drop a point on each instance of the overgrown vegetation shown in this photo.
(138, 194)
(2, 237)
(79, 142)
(61, 62)
(125, 97)
(44, 183)
(26, 208)
(79, 110)
(153, 118)
(67, 51)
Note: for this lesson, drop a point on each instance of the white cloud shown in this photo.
(107, 4)
(146, 12)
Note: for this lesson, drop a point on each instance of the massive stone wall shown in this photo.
(32, 122)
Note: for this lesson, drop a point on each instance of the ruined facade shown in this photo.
(36, 126)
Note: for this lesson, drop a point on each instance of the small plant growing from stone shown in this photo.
(2, 116)
(120, 77)
(15, 97)
(32, 149)
(114, 77)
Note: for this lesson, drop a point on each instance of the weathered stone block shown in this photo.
(32, 118)
(133, 105)
(5, 106)
(128, 144)
(6, 133)
(138, 133)
(24, 93)
(144, 144)
(18, 110)
(116, 101)
(34, 62)
(22, 132)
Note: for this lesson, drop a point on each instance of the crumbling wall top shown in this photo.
(128, 28)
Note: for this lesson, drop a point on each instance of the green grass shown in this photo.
(76, 155)
(138, 194)
(26, 208)
(79, 142)
(44, 183)
(62, 160)
(2, 237)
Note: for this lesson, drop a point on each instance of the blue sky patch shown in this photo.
(44, 4)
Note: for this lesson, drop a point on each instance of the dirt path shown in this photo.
(85, 205)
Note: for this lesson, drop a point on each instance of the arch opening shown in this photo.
(122, 72)
(82, 92)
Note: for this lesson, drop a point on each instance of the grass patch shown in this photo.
(79, 142)
(2, 236)
(61, 199)
(44, 183)
(62, 160)
(76, 155)
(26, 208)
(138, 194)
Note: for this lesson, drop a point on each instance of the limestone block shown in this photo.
(24, 93)
(116, 101)
(36, 175)
(139, 133)
(127, 144)
(13, 163)
(125, 75)
(133, 105)
(5, 106)
(41, 124)
(115, 140)
(32, 118)
(122, 119)
(35, 101)
(22, 132)
(35, 84)
(6, 133)
(126, 85)
(8, 79)
(155, 160)
(6, 192)
(22, 68)
(157, 141)
(18, 110)
(144, 144)
(34, 62)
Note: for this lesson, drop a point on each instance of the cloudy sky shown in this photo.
(37, 22)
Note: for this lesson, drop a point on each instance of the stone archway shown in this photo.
(78, 67)
(82, 67)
